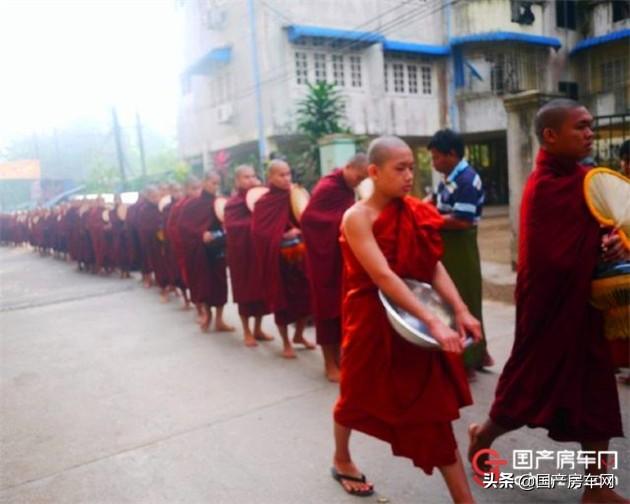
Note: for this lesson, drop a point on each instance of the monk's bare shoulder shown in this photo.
(358, 218)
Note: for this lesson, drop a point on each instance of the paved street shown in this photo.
(109, 396)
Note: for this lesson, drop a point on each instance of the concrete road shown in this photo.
(109, 396)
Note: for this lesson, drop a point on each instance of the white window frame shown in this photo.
(356, 71)
(338, 62)
(300, 59)
(320, 66)
(407, 76)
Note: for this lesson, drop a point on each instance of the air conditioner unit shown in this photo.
(215, 18)
(225, 112)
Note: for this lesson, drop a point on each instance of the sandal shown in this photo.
(340, 478)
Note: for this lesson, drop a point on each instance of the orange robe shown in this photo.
(391, 389)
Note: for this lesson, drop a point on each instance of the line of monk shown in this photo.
(329, 263)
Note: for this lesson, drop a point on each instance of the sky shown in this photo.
(68, 60)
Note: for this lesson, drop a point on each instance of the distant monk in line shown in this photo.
(320, 223)
(559, 375)
(402, 394)
(202, 235)
(245, 275)
(280, 251)
(192, 189)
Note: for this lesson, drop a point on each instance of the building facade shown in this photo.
(404, 68)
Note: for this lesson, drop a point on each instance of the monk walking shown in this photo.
(559, 375)
(246, 277)
(280, 251)
(391, 389)
(320, 222)
(201, 235)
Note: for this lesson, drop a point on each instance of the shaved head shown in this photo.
(279, 174)
(356, 170)
(245, 177)
(381, 148)
(553, 114)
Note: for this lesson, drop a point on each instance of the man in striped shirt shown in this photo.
(460, 199)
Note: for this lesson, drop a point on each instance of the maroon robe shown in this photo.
(172, 232)
(246, 278)
(286, 285)
(86, 252)
(559, 375)
(74, 236)
(121, 253)
(171, 270)
(140, 224)
(320, 224)
(205, 270)
(151, 239)
(96, 229)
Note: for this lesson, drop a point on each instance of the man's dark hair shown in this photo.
(552, 115)
(447, 140)
(624, 150)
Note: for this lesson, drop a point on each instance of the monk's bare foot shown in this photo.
(301, 340)
(602, 496)
(624, 379)
(288, 353)
(186, 306)
(164, 297)
(204, 322)
(221, 326)
(476, 443)
(333, 374)
(347, 468)
(249, 340)
(262, 336)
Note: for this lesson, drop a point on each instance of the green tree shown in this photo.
(321, 112)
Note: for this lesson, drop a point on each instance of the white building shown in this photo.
(405, 68)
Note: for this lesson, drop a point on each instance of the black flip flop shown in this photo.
(339, 478)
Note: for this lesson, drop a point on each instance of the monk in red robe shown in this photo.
(122, 258)
(192, 189)
(559, 375)
(280, 252)
(246, 278)
(320, 222)
(391, 389)
(95, 226)
(202, 237)
(143, 252)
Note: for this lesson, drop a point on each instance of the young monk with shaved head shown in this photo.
(280, 252)
(390, 389)
(246, 277)
(320, 222)
(559, 375)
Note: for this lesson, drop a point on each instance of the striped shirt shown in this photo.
(461, 194)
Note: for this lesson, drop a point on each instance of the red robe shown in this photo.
(286, 286)
(86, 252)
(74, 237)
(246, 278)
(151, 240)
(207, 278)
(142, 225)
(559, 375)
(320, 224)
(173, 276)
(172, 232)
(391, 389)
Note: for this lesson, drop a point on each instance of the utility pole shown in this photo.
(143, 164)
(119, 150)
(262, 143)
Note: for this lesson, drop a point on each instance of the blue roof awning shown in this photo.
(210, 60)
(297, 32)
(502, 36)
(602, 39)
(415, 48)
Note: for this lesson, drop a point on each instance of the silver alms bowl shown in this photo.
(411, 328)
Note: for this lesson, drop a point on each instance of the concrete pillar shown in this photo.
(522, 146)
(335, 151)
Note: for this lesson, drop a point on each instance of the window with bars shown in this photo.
(612, 74)
(426, 80)
(338, 70)
(356, 74)
(301, 67)
(412, 79)
(320, 67)
(399, 77)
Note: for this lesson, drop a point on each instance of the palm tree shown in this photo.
(321, 112)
